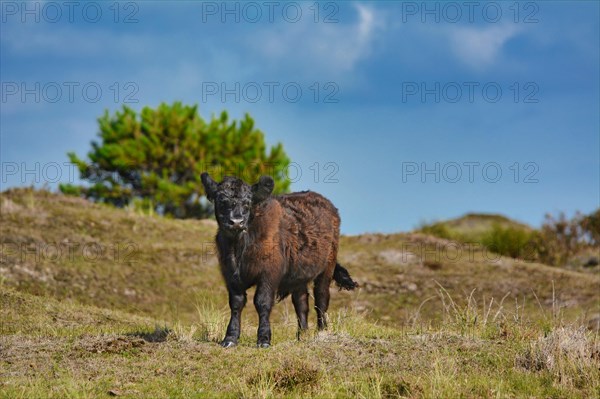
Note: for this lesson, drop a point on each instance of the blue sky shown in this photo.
(499, 102)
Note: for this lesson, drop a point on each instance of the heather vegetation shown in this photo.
(560, 241)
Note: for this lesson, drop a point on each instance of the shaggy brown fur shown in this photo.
(278, 243)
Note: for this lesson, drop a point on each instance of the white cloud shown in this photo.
(331, 47)
(479, 48)
(366, 23)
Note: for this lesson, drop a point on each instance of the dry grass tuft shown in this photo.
(571, 355)
(110, 344)
(8, 206)
(289, 376)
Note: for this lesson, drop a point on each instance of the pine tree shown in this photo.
(156, 158)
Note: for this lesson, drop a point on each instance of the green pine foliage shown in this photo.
(156, 157)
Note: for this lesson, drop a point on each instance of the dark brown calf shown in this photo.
(278, 243)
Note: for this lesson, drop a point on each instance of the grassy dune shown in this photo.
(100, 302)
(474, 225)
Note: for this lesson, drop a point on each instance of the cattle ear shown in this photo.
(210, 186)
(262, 189)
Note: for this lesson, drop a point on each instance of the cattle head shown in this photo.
(234, 200)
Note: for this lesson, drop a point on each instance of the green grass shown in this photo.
(146, 323)
(58, 349)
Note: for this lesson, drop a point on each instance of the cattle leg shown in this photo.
(237, 301)
(263, 301)
(321, 292)
(300, 301)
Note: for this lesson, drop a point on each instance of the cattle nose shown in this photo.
(235, 222)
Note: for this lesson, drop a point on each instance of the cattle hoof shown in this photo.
(228, 344)
(263, 344)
